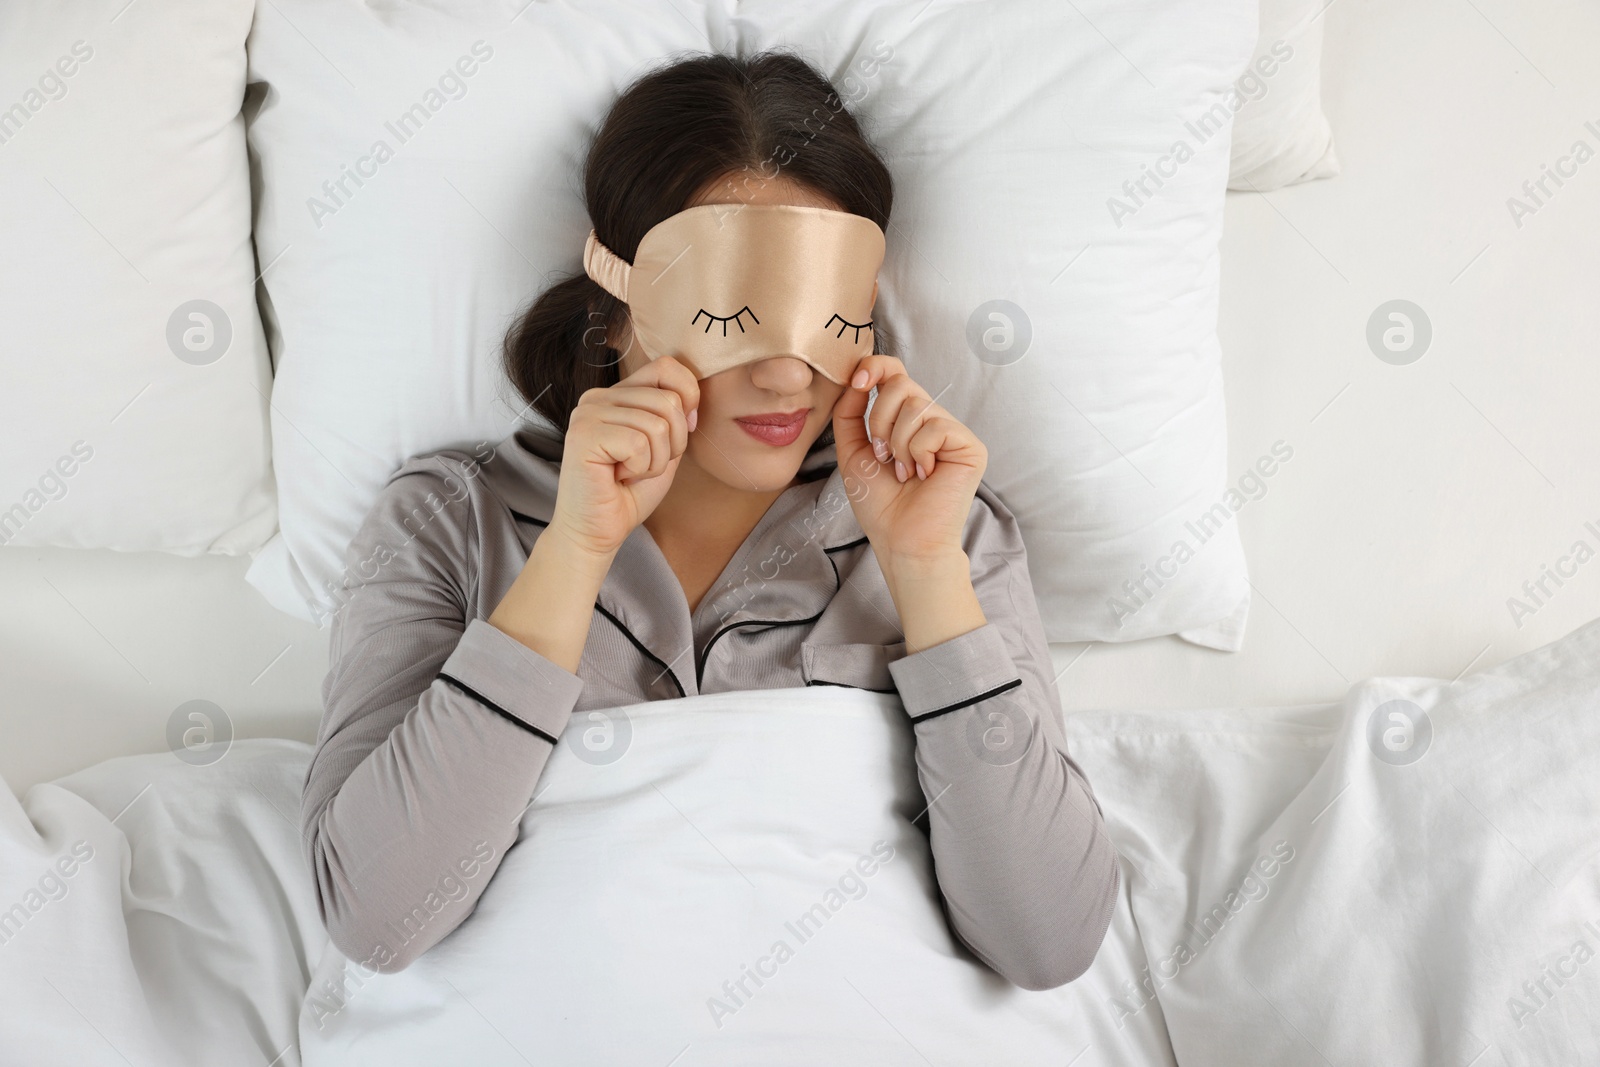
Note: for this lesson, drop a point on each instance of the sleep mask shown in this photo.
(719, 285)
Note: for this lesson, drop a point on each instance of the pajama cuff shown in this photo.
(508, 677)
(955, 673)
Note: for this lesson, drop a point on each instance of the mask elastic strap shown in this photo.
(607, 268)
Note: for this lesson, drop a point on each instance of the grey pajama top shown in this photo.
(437, 726)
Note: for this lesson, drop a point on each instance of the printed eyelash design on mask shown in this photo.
(846, 323)
(725, 319)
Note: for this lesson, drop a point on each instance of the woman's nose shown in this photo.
(781, 374)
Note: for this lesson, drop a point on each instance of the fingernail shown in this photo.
(859, 380)
(694, 417)
(880, 450)
(899, 470)
(920, 472)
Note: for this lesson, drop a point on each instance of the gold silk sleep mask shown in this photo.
(724, 284)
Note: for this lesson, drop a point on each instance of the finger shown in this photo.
(878, 367)
(849, 428)
(665, 403)
(624, 447)
(899, 399)
(667, 373)
(958, 446)
(914, 412)
(657, 433)
(934, 436)
(599, 423)
(893, 387)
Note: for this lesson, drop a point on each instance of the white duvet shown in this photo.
(744, 885)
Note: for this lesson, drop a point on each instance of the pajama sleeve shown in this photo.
(1028, 873)
(436, 727)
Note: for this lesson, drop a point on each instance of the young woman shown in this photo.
(749, 529)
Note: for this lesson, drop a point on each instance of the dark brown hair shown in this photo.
(671, 132)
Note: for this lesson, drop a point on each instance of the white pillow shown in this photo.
(134, 413)
(1280, 135)
(1106, 432)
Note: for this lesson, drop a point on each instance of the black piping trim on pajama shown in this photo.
(467, 690)
(848, 544)
(640, 646)
(700, 659)
(520, 517)
(863, 539)
(967, 703)
(847, 685)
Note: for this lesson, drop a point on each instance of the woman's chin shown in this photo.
(752, 465)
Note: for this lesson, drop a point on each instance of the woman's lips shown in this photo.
(778, 429)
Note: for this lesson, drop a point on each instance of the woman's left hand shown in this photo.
(911, 516)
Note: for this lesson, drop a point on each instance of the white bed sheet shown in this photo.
(157, 913)
(1428, 892)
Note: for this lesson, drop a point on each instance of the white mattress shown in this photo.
(1418, 500)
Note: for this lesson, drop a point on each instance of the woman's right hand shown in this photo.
(623, 445)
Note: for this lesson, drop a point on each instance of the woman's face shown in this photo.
(757, 420)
